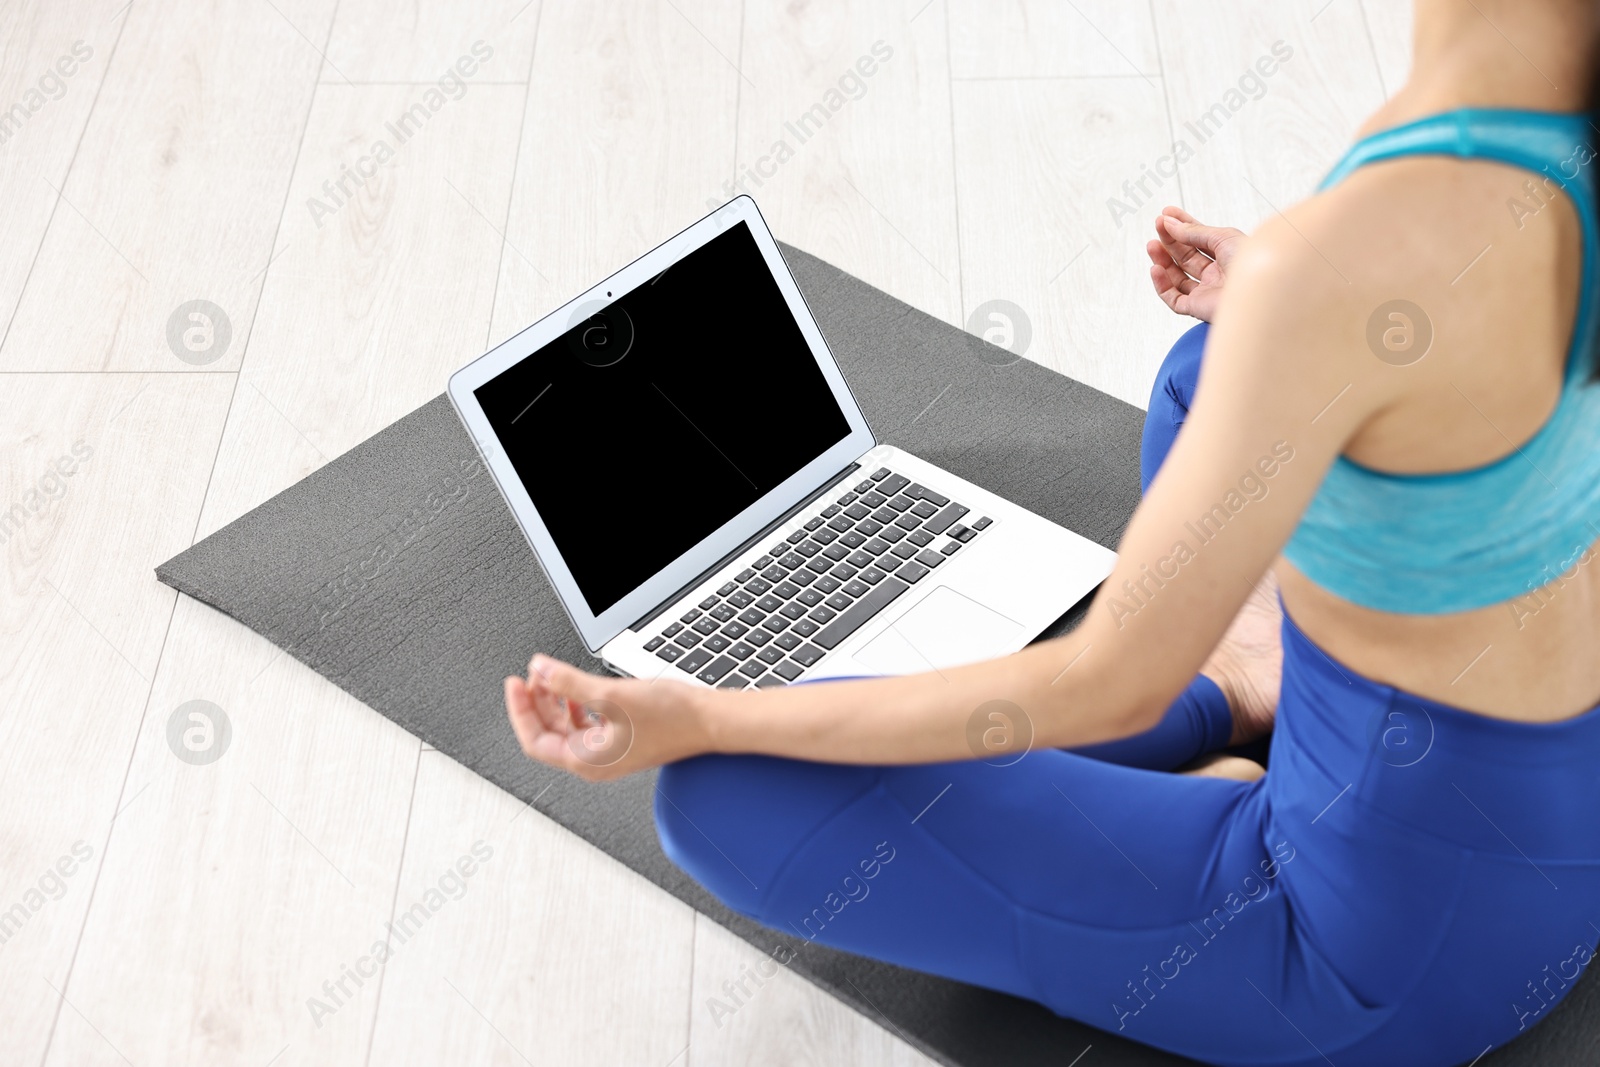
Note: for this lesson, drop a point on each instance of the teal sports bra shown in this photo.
(1430, 544)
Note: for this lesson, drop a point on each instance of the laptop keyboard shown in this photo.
(811, 590)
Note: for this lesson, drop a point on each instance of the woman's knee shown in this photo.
(1170, 398)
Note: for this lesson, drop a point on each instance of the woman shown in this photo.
(1395, 418)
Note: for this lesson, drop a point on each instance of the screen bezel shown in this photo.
(597, 629)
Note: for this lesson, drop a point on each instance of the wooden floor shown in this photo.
(204, 910)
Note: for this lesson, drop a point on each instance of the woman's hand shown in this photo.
(1189, 262)
(600, 728)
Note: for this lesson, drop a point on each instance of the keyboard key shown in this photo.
(912, 572)
(694, 661)
(795, 559)
(865, 486)
(752, 616)
(741, 599)
(744, 575)
(808, 548)
(788, 670)
(752, 669)
(757, 586)
(672, 631)
(884, 516)
(689, 616)
(818, 564)
(857, 588)
(868, 527)
(708, 603)
(809, 597)
(713, 672)
(942, 521)
(814, 523)
(732, 681)
(929, 558)
(920, 538)
(983, 523)
(706, 625)
(778, 549)
(872, 575)
(670, 653)
(762, 563)
(806, 655)
(726, 588)
(950, 548)
(831, 510)
(804, 627)
(837, 551)
(804, 576)
(857, 511)
(859, 559)
(922, 492)
(873, 500)
(826, 584)
(654, 643)
(840, 523)
(844, 572)
(786, 641)
(880, 474)
(846, 500)
(716, 643)
(905, 550)
(793, 610)
(769, 603)
(796, 537)
(769, 681)
(741, 651)
(771, 654)
(900, 503)
(876, 547)
(853, 539)
(825, 536)
(734, 630)
(838, 602)
(822, 613)
(774, 573)
(848, 622)
(776, 623)
(687, 639)
(957, 530)
(723, 612)
(757, 637)
(785, 590)
(891, 534)
(908, 521)
(924, 508)
(893, 484)
(889, 561)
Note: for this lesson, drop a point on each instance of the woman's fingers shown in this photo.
(1184, 252)
(1214, 241)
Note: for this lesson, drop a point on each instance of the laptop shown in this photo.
(706, 498)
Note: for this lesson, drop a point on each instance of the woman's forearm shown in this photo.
(1029, 699)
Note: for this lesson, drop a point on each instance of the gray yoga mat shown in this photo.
(397, 573)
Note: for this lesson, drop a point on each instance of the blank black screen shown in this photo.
(650, 424)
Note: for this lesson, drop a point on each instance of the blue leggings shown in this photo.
(1361, 904)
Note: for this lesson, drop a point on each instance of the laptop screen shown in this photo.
(653, 422)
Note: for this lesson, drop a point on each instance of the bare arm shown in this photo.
(1287, 381)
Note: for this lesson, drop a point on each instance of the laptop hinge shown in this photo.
(766, 531)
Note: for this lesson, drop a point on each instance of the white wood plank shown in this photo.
(629, 129)
(749, 1008)
(231, 891)
(46, 91)
(1047, 38)
(100, 478)
(378, 297)
(374, 41)
(1040, 164)
(871, 187)
(545, 951)
(177, 188)
(1271, 137)
(1389, 25)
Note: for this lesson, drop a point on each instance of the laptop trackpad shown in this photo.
(944, 630)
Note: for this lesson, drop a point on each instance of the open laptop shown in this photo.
(709, 503)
